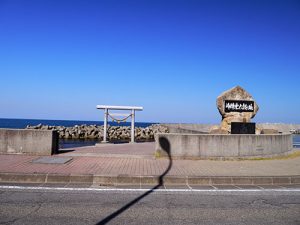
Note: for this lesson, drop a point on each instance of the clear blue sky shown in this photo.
(59, 59)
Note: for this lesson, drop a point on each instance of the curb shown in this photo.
(103, 180)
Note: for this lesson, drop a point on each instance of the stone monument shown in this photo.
(237, 107)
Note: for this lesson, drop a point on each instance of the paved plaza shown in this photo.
(136, 161)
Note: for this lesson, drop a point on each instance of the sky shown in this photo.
(59, 59)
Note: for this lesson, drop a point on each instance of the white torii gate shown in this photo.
(110, 107)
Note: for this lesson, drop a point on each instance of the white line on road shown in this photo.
(144, 190)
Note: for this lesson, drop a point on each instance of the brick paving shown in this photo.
(114, 160)
(127, 149)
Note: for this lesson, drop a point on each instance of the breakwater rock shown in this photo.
(293, 131)
(96, 132)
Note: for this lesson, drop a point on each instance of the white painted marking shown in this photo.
(260, 187)
(237, 187)
(190, 188)
(214, 187)
(144, 190)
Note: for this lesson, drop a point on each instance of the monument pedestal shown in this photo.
(242, 128)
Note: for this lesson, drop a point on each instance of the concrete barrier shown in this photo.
(33, 142)
(188, 127)
(205, 128)
(225, 146)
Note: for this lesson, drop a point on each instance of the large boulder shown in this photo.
(244, 115)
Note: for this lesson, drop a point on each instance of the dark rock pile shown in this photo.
(96, 132)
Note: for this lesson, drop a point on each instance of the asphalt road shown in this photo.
(18, 206)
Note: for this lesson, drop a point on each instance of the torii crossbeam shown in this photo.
(110, 107)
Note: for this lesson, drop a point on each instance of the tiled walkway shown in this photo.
(138, 160)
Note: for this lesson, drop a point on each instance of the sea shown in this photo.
(67, 143)
(22, 123)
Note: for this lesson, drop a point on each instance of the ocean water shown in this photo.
(296, 141)
(22, 123)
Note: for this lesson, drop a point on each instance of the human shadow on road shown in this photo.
(165, 145)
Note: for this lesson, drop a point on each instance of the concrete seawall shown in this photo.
(225, 146)
(204, 128)
(188, 128)
(32, 142)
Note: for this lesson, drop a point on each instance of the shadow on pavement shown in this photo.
(164, 143)
(62, 151)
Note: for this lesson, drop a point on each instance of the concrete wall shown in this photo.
(224, 146)
(185, 131)
(33, 142)
(185, 127)
(284, 128)
(204, 128)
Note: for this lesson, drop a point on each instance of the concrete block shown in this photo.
(57, 178)
(295, 180)
(105, 180)
(33, 142)
(81, 178)
(199, 180)
(281, 180)
(22, 178)
(221, 180)
(242, 180)
(153, 180)
(126, 179)
(262, 180)
(269, 131)
(174, 180)
(224, 146)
